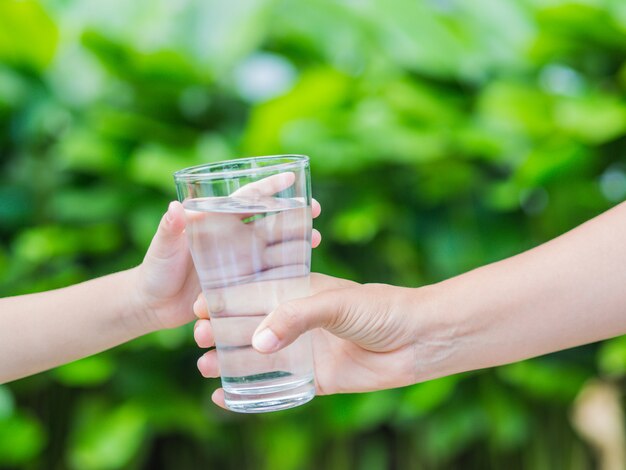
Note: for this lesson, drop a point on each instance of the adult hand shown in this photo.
(364, 337)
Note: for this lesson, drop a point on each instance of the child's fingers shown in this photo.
(316, 209)
(166, 242)
(218, 398)
(207, 364)
(267, 186)
(203, 334)
(200, 308)
(316, 238)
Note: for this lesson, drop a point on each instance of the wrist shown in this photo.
(442, 330)
(138, 318)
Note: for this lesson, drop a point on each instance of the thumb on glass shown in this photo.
(293, 318)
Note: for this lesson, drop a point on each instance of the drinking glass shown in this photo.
(249, 232)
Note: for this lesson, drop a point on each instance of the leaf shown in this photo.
(93, 204)
(422, 398)
(612, 357)
(287, 447)
(316, 92)
(28, 37)
(13, 88)
(538, 378)
(107, 438)
(88, 372)
(358, 225)
(153, 165)
(508, 417)
(351, 413)
(592, 119)
(516, 107)
(21, 439)
(452, 430)
(39, 244)
(558, 159)
(83, 149)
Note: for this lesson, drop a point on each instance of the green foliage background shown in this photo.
(444, 134)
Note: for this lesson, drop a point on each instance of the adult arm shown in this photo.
(567, 292)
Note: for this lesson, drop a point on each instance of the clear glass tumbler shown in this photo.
(249, 231)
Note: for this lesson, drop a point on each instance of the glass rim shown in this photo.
(193, 173)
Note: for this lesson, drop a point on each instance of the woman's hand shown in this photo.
(364, 336)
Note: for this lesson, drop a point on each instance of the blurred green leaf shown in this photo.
(87, 204)
(39, 244)
(453, 430)
(612, 357)
(423, 398)
(545, 379)
(167, 66)
(107, 438)
(21, 439)
(587, 22)
(154, 165)
(173, 410)
(317, 92)
(286, 448)
(13, 88)
(508, 419)
(172, 339)
(557, 160)
(504, 196)
(85, 150)
(28, 37)
(88, 372)
(517, 107)
(358, 225)
(349, 413)
(592, 119)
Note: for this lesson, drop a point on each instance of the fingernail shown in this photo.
(169, 215)
(265, 341)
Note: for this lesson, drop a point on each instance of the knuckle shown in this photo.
(345, 312)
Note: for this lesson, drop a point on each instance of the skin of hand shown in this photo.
(167, 281)
(355, 351)
(563, 293)
(43, 330)
(234, 245)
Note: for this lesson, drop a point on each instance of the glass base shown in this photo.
(275, 399)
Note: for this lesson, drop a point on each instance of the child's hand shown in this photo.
(167, 284)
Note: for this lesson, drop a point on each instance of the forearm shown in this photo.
(40, 331)
(564, 293)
